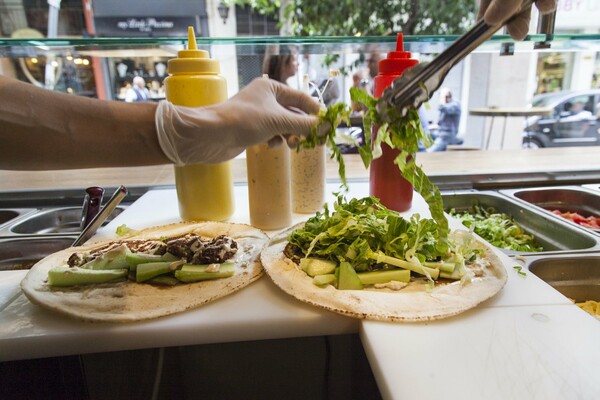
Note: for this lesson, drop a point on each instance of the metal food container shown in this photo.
(51, 221)
(576, 276)
(35, 224)
(30, 234)
(593, 186)
(9, 215)
(581, 200)
(22, 253)
(555, 235)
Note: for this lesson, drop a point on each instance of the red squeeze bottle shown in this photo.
(386, 181)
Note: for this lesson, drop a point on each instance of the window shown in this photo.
(251, 23)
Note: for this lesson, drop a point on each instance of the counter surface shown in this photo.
(528, 341)
(442, 164)
(259, 311)
(521, 352)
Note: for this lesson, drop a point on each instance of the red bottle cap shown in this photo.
(397, 61)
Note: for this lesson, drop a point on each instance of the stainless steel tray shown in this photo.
(10, 215)
(51, 221)
(581, 200)
(22, 253)
(34, 224)
(553, 234)
(576, 276)
(32, 234)
(593, 186)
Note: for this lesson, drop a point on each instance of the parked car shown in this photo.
(573, 121)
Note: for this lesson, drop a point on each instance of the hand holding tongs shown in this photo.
(417, 84)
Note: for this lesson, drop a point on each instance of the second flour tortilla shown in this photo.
(412, 303)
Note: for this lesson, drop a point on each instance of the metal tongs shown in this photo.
(416, 85)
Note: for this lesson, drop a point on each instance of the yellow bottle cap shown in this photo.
(192, 60)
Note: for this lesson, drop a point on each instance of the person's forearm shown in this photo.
(41, 129)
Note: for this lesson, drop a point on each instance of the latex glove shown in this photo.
(217, 133)
(496, 11)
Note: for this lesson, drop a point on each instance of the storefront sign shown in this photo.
(144, 26)
(579, 15)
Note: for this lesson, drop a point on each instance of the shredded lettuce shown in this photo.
(402, 133)
(497, 228)
(520, 271)
(331, 117)
(368, 235)
(123, 230)
(365, 233)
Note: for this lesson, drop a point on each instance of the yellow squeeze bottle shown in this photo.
(204, 191)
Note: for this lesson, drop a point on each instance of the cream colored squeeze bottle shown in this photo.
(269, 185)
(308, 175)
(204, 191)
(308, 179)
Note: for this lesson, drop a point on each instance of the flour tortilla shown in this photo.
(412, 303)
(130, 301)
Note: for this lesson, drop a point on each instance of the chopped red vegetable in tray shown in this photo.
(588, 222)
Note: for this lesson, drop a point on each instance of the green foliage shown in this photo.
(371, 17)
(262, 6)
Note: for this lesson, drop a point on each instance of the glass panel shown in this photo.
(321, 45)
(105, 67)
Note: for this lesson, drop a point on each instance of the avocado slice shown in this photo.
(317, 266)
(324, 280)
(348, 279)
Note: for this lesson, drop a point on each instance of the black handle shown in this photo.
(91, 205)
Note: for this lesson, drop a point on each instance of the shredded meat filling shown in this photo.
(293, 252)
(191, 248)
(183, 246)
(215, 251)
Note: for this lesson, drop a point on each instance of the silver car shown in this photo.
(573, 122)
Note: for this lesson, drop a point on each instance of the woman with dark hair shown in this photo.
(280, 64)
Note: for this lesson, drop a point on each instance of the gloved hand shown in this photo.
(257, 114)
(496, 11)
